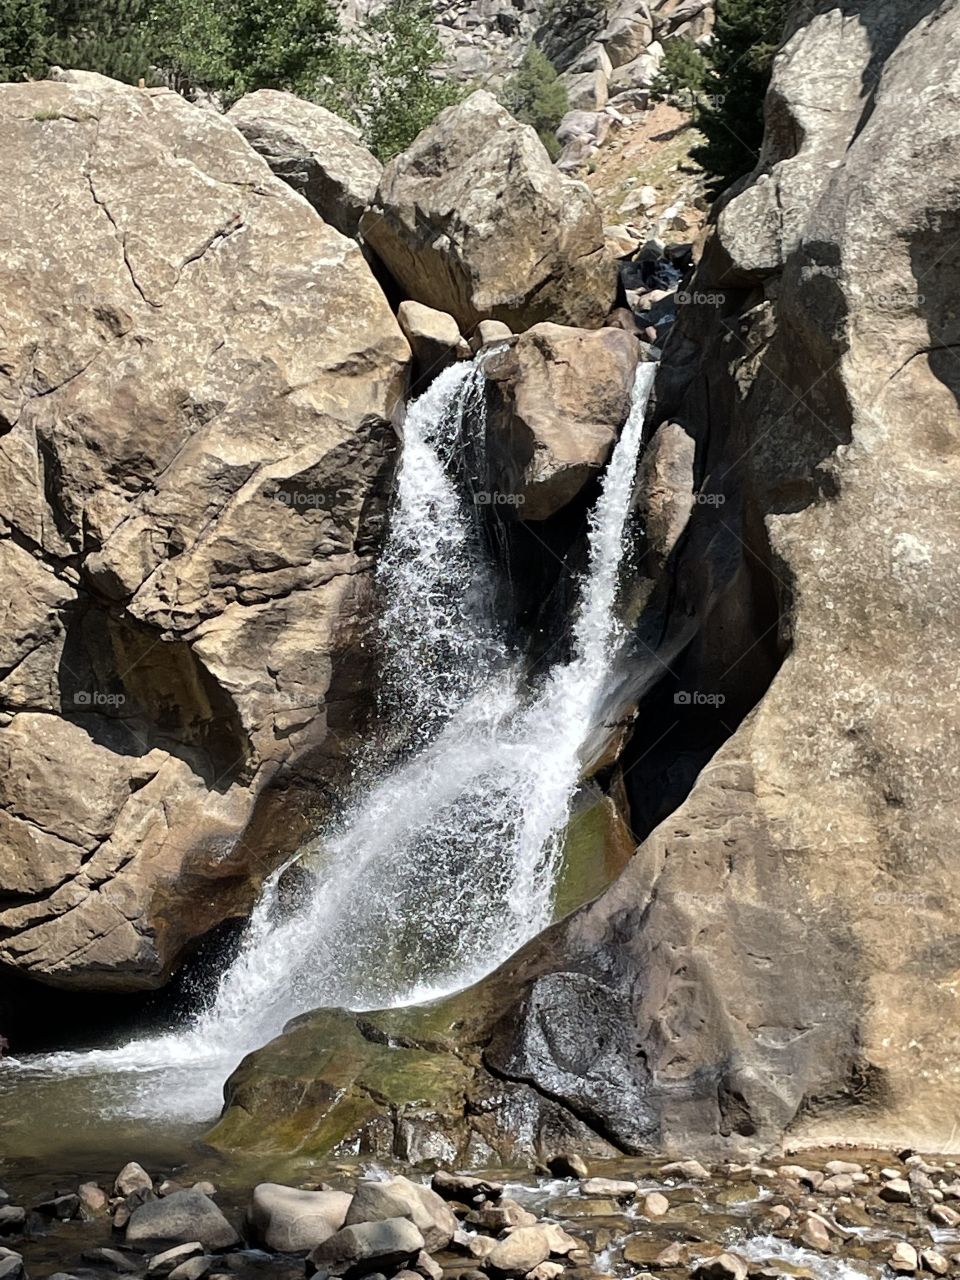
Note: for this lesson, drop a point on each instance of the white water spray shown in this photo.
(446, 865)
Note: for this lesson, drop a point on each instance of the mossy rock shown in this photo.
(597, 845)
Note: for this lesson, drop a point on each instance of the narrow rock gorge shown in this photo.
(478, 679)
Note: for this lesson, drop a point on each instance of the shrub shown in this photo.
(535, 95)
(24, 39)
(682, 70)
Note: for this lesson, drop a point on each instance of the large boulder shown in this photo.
(292, 1220)
(400, 1198)
(473, 219)
(196, 387)
(312, 150)
(557, 399)
(367, 1247)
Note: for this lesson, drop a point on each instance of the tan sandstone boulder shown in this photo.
(197, 378)
(473, 219)
(557, 399)
(312, 150)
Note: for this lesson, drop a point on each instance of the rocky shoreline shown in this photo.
(871, 1214)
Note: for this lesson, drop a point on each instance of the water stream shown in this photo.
(444, 865)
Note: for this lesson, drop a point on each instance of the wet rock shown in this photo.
(481, 1247)
(401, 1198)
(726, 1266)
(689, 1170)
(933, 1260)
(11, 1265)
(501, 1217)
(852, 1214)
(522, 1250)
(132, 1177)
(12, 1218)
(583, 1207)
(161, 1264)
(122, 1263)
(360, 1249)
(93, 1199)
(193, 1269)
(655, 1205)
(896, 1191)
(815, 1235)
(903, 1258)
(798, 1173)
(181, 1218)
(425, 1265)
(608, 1188)
(944, 1215)
(61, 1207)
(289, 1220)
(205, 1188)
(567, 1164)
(489, 331)
(841, 1184)
(671, 1256)
(463, 1187)
(833, 1167)
(642, 1251)
(546, 1271)
(167, 1187)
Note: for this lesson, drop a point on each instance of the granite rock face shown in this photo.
(197, 382)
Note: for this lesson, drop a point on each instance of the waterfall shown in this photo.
(445, 865)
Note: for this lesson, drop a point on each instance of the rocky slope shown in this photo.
(780, 955)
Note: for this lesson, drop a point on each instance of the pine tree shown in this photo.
(740, 57)
(380, 77)
(683, 69)
(109, 36)
(24, 39)
(536, 95)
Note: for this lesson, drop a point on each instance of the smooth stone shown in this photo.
(814, 1235)
(567, 1164)
(944, 1215)
(290, 1220)
(933, 1260)
(897, 1191)
(206, 1188)
(63, 1207)
(192, 1269)
(461, 1186)
(655, 1205)
(903, 1258)
(120, 1262)
(502, 1216)
(726, 1266)
(691, 1170)
(546, 1271)
(365, 1246)
(11, 1267)
(93, 1198)
(401, 1198)
(608, 1188)
(425, 1265)
(181, 1218)
(161, 1264)
(833, 1167)
(132, 1177)
(522, 1250)
(12, 1219)
(574, 1207)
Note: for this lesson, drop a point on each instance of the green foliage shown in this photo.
(535, 95)
(110, 38)
(24, 39)
(740, 57)
(236, 48)
(683, 69)
(380, 77)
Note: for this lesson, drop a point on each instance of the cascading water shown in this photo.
(446, 865)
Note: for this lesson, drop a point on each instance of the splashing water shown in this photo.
(446, 865)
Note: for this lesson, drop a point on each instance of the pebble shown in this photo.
(671, 1256)
(192, 1269)
(608, 1187)
(934, 1261)
(897, 1191)
(161, 1264)
(93, 1198)
(840, 1184)
(903, 1257)
(780, 1211)
(726, 1266)
(814, 1234)
(833, 1167)
(692, 1170)
(944, 1215)
(655, 1205)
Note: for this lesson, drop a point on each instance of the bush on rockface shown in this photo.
(683, 72)
(739, 60)
(536, 95)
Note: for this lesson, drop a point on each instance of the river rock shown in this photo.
(522, 1250)
(193, 1269)
(366, 1247)
(896, 1191)
(161, 1264)
(474, 220)
(132, 1178)
(464, 1187)
(182, 1218)
(93, 1199)
(218, 552)
(688, 1170)
(815, 1234)
(123, 1263)
(62, 1207)
(612, 1188)
(557, 399)
(12, 1219)
(501, 1217)
(288, 1220)
(567, 1164)
(726, 1266)
(401, 1198)
(655, 1205)
(903, 1258)
(11, 1265)
(315, 152)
